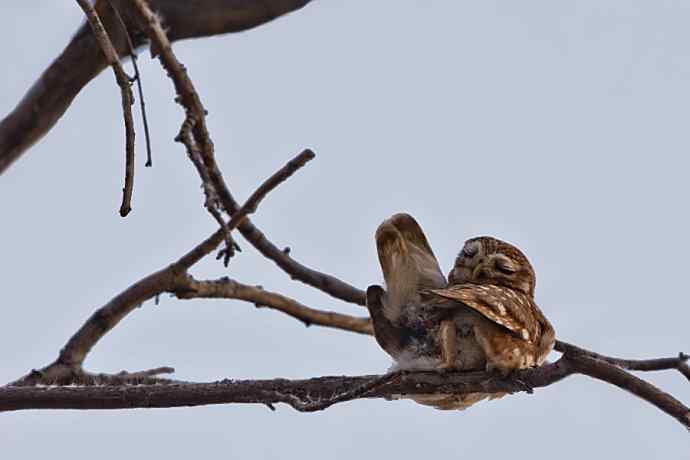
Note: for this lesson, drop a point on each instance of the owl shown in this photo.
(483, 317)
(495, 280)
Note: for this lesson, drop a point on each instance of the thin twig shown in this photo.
(149, 372)
(615, 375)
(225, 288)
(146, 377)
(679, 362)
(193, 133)
(140, 85)
(124, 82)
(211, 202)
(250, 206)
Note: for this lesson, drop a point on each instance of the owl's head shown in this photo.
(487, 260)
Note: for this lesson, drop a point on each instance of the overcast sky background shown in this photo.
(559, 126)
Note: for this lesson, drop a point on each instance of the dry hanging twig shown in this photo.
(137, 77)
(82, 60)
(123, 81)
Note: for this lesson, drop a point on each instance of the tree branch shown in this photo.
(82, 59)
(194, 134)
(322, 392)
(301, 394)
(132, 52)
(601, 370)
(679, 362)
(250, 206)
(123, 82)
(297, 271)
(68, 366)
(226, 288)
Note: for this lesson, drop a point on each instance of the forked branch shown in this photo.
(194, 134)
(68, 366)
(147, 389)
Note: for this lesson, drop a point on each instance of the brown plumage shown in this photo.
(517, 335)
(409, 267)
(497, 280)
(485, 319)
(408, 263)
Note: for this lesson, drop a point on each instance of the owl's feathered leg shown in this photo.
(504, 353)
(449, 345)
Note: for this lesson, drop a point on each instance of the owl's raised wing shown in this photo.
(511, 309)
(408, 263)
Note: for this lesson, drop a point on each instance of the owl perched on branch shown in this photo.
(483, 318)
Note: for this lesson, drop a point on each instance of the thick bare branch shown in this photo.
(51, 95)
(322, 392)
(298, 393)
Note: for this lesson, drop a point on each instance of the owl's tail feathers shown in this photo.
(454, 402)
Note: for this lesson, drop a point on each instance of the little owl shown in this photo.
(483, 318)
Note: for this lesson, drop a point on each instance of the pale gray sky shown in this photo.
(559, 126)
